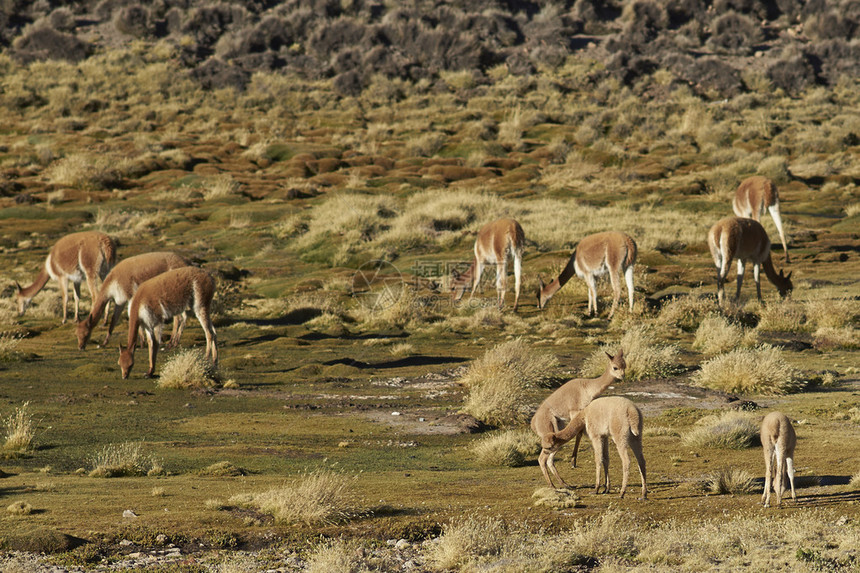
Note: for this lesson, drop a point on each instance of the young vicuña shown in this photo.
(566, 402)
(746, 240)
(610, 252)
(120, 285)
(615, 417)
(495, 242)
(75, 257)
(778, 441)
(753, 196)
(162, 297)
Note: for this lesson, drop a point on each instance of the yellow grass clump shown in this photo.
(729, 430)
(759, 370)
(122, 460)
(469, 540)
(508, 449)
(717, 335)
(319, 497)
(726, 481)
(336, 555)
(188, 368)
(498, 381)
(20, 430)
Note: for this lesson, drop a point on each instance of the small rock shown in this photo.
(395, 413)
(125, 543)
(402, 544)
(129, 514)
(161, 538)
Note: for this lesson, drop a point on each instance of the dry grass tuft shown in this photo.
(645, 358)
(729, 430)
(760, 370)
(464, 541)
(9, 343)
(223, 469)
(717, 335)
(556, 498)
(828, 338)
(20, 508)
(87, 172)
(498, 381)
(220, 187)
(686, 312)
(122, 460)
(855, 480)
(783, 316)
(728, 481)
(825, 312)
(320, 497)
(506, 449)
(188, 368)
(336, 555)
(20, 430)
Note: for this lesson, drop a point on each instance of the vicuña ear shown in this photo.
(788, 276)
(620, 353)
(540, 282)
(119, 344)
(17, 286)
(609, 355)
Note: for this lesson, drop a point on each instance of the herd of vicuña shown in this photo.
(160, 286)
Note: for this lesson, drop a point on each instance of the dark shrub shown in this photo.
(681, 12)
(629, 67)
(793, 72)
(44, 43)
(216, 74)
(349, 83)
(106, 8)
(829, 25)
(705, 75)
(760, 9)
(643, 21)
(837, 58)
(133, 20)
(332, 37)
(62, 19)
(519, 65)
(208, 23)
(733, 33)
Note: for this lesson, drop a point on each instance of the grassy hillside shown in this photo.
(331, 222)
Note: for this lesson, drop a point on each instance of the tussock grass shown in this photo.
(725, 481)
(729, 430)
(759, 370)
(19, 508)
(336, 555)
(123, 460)
(855, 480)
(828, 312)
(556, 498)
(783, 316)
(9, 344)
(20, 430)
(508, 449)
(717, 335)
(686, 312)
(319, 497)
(463, 542)
(828, 338)
(644, 357)
(223, 469)
(220, 187)
(188, 368)
(88, 172)
(498, 381)
(131, 224)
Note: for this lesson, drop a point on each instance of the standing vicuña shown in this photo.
(120, 285)
(161, 298)
(747, 240)
(495, 242)
(566, 402)
(778, 441)
(88, 254)
(754, 195)
(595, 255)
(613, 416)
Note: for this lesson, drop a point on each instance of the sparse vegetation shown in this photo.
(645, 358)
(20, 430)
(509, 448)
(188, 368)
(121, 460)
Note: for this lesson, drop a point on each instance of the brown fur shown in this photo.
(778, 441)
(120, 285)
(611, 251)
(613, 416)
(75, 257)
(566, 402)
(495, 242)
(746, 240)
(162, 297)
(753, 196)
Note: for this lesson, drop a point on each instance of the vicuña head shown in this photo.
(617, 364)
(126, 360)
(541, 300)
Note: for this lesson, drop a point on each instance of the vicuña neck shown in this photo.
(37, 285)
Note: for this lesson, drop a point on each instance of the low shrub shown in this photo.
(759, 370)
(507, 449)
(729, 430)
(498, 381)
(320, 497)
(188, 368)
